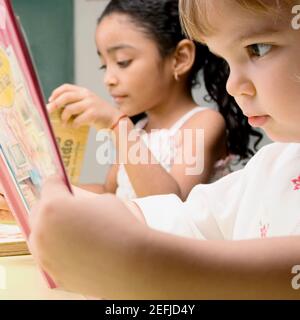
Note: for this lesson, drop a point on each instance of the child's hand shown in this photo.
(67, 230)
(83, 107)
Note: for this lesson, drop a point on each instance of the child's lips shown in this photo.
(258, 121)
(119, 98)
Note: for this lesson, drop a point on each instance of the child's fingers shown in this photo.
(51, 107)
(62, 89)
(86, 118)
(64, 100)
(54, 185)
(53, 189)
(72, 110)
(68, 98)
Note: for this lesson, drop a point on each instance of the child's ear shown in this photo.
(184, 57)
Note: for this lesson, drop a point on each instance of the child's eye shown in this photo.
(259, 49)
(124, 64)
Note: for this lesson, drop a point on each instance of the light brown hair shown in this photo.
(194, 14)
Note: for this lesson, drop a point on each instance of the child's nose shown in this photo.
(110, 78)
(239, 84)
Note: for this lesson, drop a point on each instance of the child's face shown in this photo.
(263, 54)
(134, 72)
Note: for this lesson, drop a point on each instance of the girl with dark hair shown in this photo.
(237, 238)
(150, 69)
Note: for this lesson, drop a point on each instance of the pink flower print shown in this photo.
(264, 230)
(296, 182)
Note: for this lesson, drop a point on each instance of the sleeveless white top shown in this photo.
(162, 145)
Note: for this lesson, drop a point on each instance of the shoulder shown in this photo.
(276, 155)
(207, 119)
(213, 125)
(279, 150)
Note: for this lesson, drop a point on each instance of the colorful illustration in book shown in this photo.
(23, 141)
(28, 150)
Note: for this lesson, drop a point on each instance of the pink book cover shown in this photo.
(28, 149)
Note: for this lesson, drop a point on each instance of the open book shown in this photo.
(28, 149)
(12, 241)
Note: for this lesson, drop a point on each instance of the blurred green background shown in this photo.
(49, 29)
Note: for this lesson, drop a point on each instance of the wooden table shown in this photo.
(21, 279)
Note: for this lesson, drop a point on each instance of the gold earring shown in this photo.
(176, 77)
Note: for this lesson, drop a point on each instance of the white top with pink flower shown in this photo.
(261, 200)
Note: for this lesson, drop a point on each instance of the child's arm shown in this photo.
(212, 149)
(86, 108)
(110, 185)
(197, 161)
(108, 253)
(146, 179)
(183, 268)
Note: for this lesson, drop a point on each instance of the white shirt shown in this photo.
(162, 145)
(261, 200)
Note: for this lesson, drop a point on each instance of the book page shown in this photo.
(10, 233)
(72, 145)
(24, 145)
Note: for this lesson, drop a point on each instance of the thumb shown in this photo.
(53, 190)
(51, 107)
